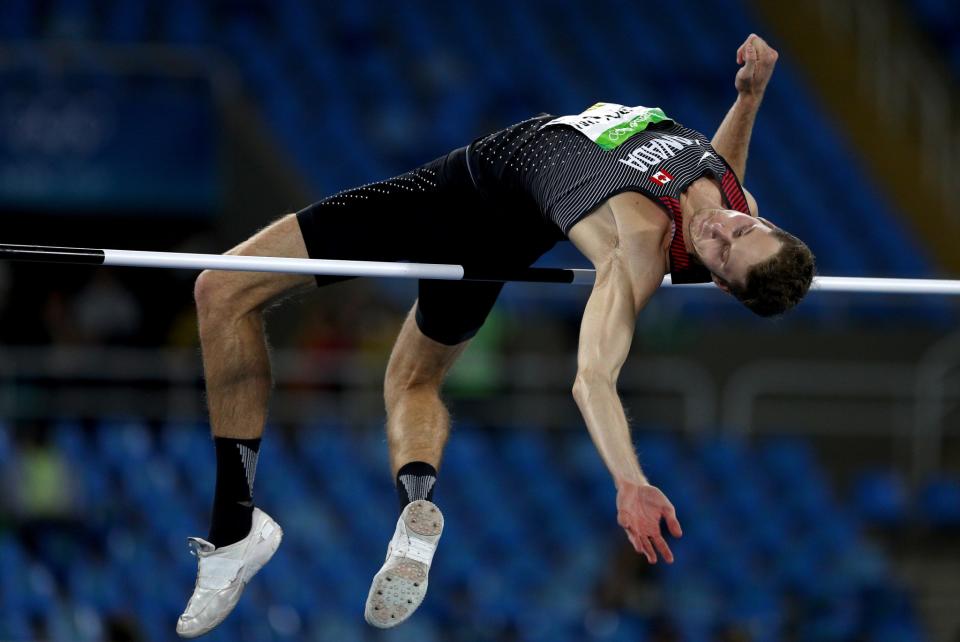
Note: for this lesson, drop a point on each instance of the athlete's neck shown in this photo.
(703, 193)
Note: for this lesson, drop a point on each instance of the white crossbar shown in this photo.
(440, 271)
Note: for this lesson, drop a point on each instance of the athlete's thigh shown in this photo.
(399, 219)
(451, 312)
(417, 359)
(257, 289)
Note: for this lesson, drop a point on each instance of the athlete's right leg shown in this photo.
(230, 306)
(237, 371)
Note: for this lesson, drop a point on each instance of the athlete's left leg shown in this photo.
(418, 422)
(435, 333)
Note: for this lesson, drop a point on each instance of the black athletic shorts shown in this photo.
(433, 214)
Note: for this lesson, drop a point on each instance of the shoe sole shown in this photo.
(398, 589)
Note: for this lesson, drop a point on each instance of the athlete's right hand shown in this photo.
(758, 60)
(639, 510)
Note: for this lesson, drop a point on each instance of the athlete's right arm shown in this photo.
(732, 138)
(628, 252)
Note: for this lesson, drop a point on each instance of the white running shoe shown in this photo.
(223, 572)
(401, 584)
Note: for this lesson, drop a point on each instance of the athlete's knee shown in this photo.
(407, 378)
(220, 294)
(417, 366)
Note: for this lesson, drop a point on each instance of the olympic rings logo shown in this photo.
(631, 127)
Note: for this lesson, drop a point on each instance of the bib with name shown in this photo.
(609, 125)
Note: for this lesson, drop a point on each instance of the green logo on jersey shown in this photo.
(619, 133)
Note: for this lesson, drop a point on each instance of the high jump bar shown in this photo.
(387, 269)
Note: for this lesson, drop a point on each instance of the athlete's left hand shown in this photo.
(758, 60)
(640, 507)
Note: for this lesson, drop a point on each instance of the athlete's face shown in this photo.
(729, 243)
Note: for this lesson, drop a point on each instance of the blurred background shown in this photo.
(814, 461)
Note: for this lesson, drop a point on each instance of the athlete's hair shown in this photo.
(778, 284)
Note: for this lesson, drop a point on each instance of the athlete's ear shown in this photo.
(721, 284)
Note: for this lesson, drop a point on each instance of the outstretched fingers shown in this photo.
(640, 511)
(663, 548)
(648, 549)
(649, 546)
(641, 544)
(673, 524)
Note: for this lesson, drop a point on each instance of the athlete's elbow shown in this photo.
(590, 381)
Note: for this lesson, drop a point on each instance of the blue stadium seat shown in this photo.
(14, 575)
(69, 438)
(659, 453)
(124, 441)
(185, 440)
(786, 457)
(939, 502)
(724, 459)
(881, 498)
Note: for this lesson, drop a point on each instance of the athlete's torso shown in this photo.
(567, 167)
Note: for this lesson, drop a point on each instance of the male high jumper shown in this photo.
(639, 194)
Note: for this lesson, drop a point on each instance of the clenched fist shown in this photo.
(639, 509)
(758, 60)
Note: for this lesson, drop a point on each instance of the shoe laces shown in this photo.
(214, 571)
(196, 546)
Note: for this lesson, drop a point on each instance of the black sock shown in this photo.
(415, 481)
(232, 514)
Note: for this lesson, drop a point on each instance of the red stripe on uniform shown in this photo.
(678, 249)
(734, 193)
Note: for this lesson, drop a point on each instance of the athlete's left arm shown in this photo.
(626, 240)
(733, 136)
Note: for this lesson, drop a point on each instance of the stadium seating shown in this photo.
(531, 536)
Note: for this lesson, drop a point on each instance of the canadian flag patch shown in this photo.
(662, 177)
